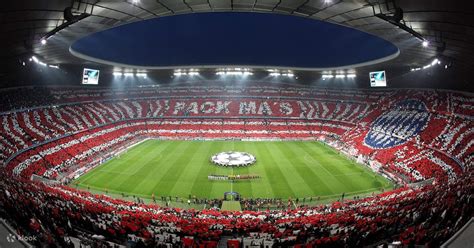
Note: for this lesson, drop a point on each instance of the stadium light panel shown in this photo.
(234, 72)
(277, 73)
(435, 61)
(128, 74)
(340, 76)
(183, 72)
(351, 75)
(37, 61)
(326, 76)
(117, 74)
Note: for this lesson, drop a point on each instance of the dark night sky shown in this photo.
(253, 39)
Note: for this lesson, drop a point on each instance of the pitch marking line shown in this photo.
(128, 173)
(311, 160)
(349, 174)
(150, 163)
(114, 172)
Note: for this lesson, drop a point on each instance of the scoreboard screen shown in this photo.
(378, 79)
(90, 76)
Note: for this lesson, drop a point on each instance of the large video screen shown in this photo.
(90, 76)
(378, 79)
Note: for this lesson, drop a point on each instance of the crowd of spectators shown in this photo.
(23, 98)
(425, 215)
(54, 141)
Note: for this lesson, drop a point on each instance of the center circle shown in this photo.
(233, 159)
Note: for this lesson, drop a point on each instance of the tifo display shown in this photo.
(313, 146)
(233, 159)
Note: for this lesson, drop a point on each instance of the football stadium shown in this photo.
(236, 123)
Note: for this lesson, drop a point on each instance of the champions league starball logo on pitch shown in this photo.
(395, 127)
(233, 159)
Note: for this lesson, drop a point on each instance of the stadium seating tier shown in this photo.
(414, 135)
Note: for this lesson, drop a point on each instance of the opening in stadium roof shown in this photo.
(234, 38)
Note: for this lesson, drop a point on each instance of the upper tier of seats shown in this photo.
(22, 98)
(436, 100)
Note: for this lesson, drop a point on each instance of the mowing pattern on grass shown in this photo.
(180, 168)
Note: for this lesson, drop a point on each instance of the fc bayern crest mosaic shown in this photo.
(401, 123)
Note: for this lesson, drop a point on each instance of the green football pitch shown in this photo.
(181, 168)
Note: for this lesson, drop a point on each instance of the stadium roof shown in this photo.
(447, 25)
(234, 39)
